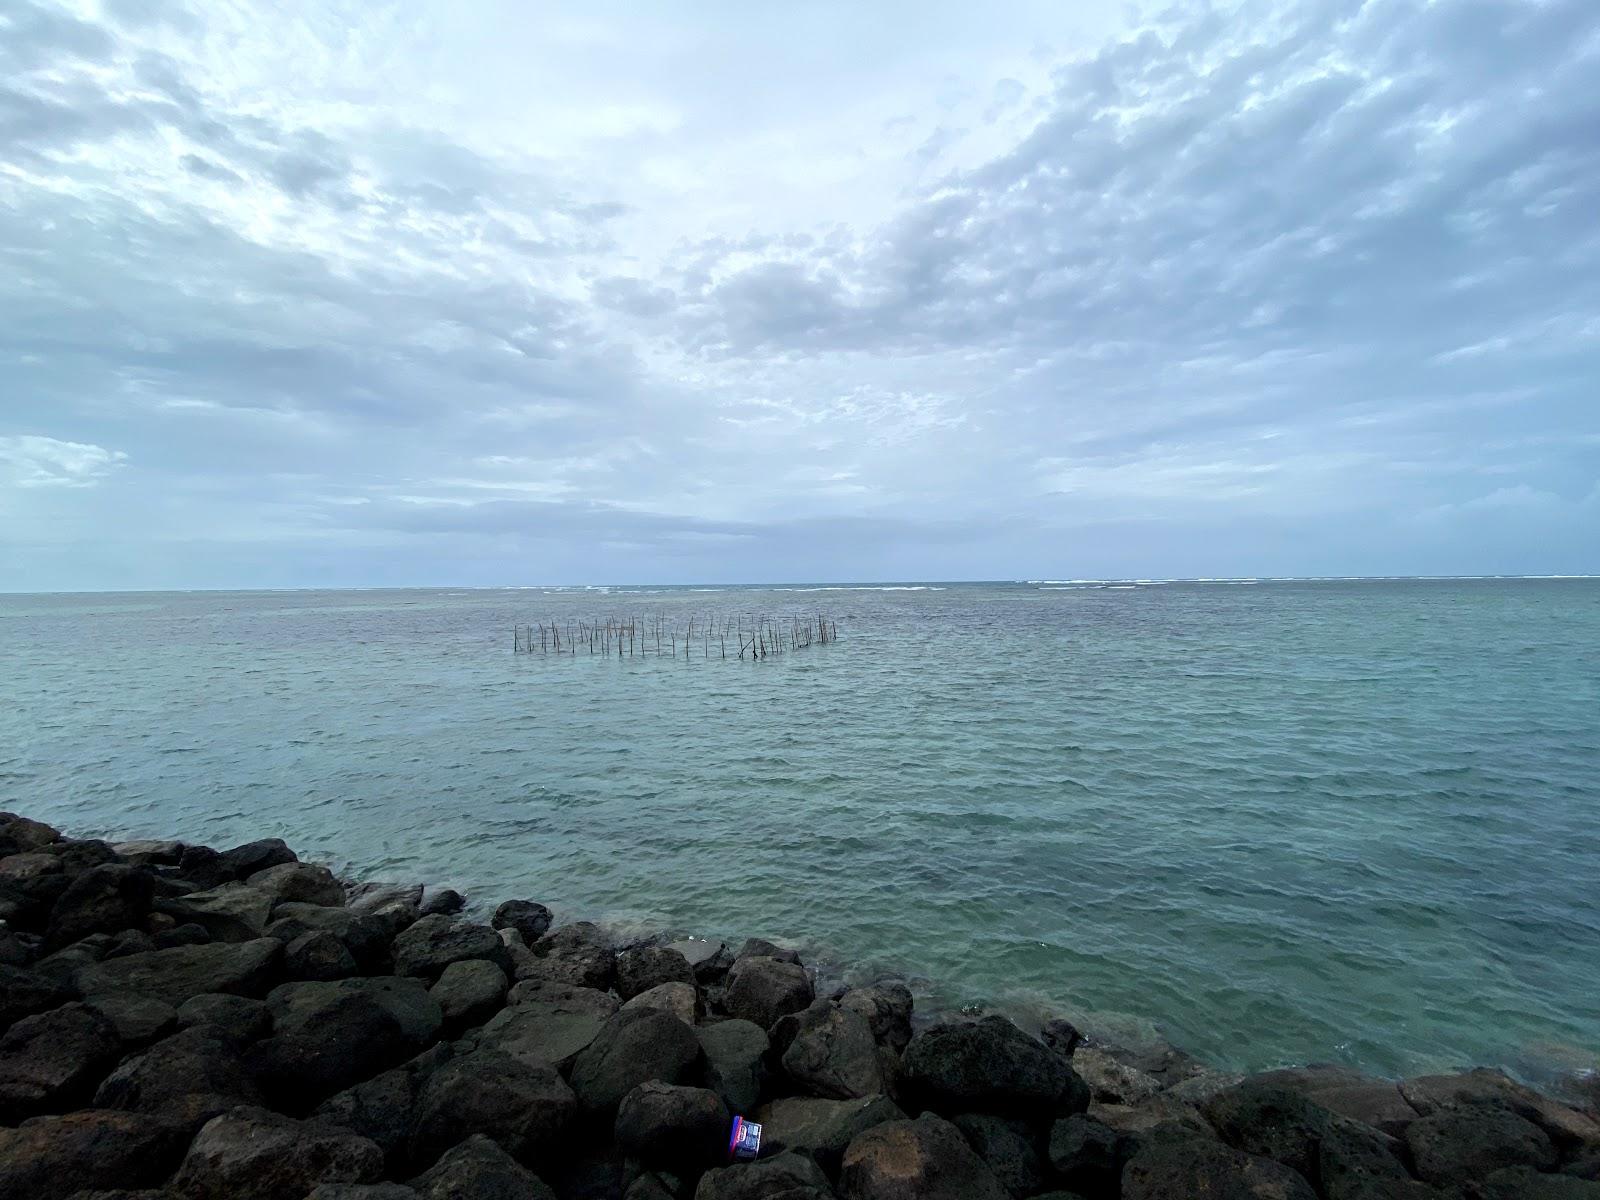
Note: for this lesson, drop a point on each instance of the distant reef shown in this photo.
(184, 1023)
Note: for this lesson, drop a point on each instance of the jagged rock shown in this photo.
(989, 1065)
(378, 1108)
(207, 868)
(664, 1123)
(548, 1023)
(64, 965)
(1110, 1080)
(1356, 1162)
(253, 1154)
(925, 1159)
(29, 866)
(104, 899)
(18, 949)
(682, 1000)
(303, 883)
(370, 896)
(761, 948)
(231, 912)
(318, 955)
(25, 903)
(478, 1169)
(137, 1019)
(526, 1109)
(530, 920)
(580, 954)
(887, 1009)
(175, 934)
(1180, 1168)
(834, 1054)
(362, 1191)
(51, 1158)
(365, 934)
(1570, 1130)
(1007, 1147)
(150, 852)
(633, 1047)
(238, 1019)
(640, 969)
(407, 1000)
(188, 1078)
(469, 992)
(1524, 1183)
(20, 834)
(242, 968)
(1270, 1120)
(24, 992)
(434, 942)
(1083, 1152)
(1347, 1092)
(1454, 1146)
(782, 1177)
(733, 1062)
(1153, 1120)
(762, 989)
(131, 941)
(441, 902)
(52, 1060)
(821, 1129)
(1061, 1035)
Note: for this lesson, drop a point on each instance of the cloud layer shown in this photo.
(343, 297)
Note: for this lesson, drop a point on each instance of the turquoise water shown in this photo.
(1282, 821)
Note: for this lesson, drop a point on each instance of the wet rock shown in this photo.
(548, 1023)
(29, 866)
(441, 902)
(1347, 1092)
(232, 912)
(370, 896)
(253, 1154)
(528, 1110)
(1110, 1080)
(150, 852)
(887, 1009)
(1180, 1168)
(103, 899)
(478, 1169)
(782, 1177)
(1570, 1130)
(1454, 1146)
(1151, 1121)
(138, 1020)
(1356, 1162)
(1270, 1120)
(925, 1159)
(1084, 1154)
(51, 1158)
(188, 1078)
(1007, 1147)
(318, 956)
(303, 883)
(833, 1054)
(733, 1064)
(682, 1000)
(407, 1000)
(640, 969)
(19, 834)
(24, 992)
(665, 1123)
(530, 920)
(821, 1129)
(1061, 1035)
(209, 868)
(238, 1019)
(243, 968)
(761, 989)
(469, 993)
(365, 934)
(988, 1065)
(580, 954)
(434, 942)
(52, 1060)
(633, 1047)
(761, 948)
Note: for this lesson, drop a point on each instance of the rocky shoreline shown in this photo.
(182, 1023)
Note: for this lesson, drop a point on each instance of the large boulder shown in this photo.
(51, 1061)
(1084, 1154)
(1181, 1168)
(469, 993)
(821, 1129)
(378, 1108)
(188, 1078)
(925, 1159)
(208, 868)
(303, 883)
(238, 1019)
(1110, 1080)
(253, 1154)
(478, 1169)
(19, 834)
(434, 942)
(365, 934)
(104, 899)
(174, 975)
(526, 1109)
(887, 1008)
(24, 992)
(682, 1000)
(408, 1001)
(1008, 1147)
(1573, 1132)
(548, 1024)
(644, 967)
(138, 1020)
(530, 920)
(231, 912)
(662, 1123)
(634, 1047)
(781, 1177)
(580, 954)
(52, 1158)
(734, 1052)
(319, 956)
(988, 1065)
(1348, 1093)
(1455, 1146)
(762, 989)
(834, 1054)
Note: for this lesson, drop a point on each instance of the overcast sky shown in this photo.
(509, 293)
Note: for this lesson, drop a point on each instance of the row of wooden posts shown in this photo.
(744, 636)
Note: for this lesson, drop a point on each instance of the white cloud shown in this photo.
(28, 461)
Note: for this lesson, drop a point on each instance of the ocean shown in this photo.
(1274, 821)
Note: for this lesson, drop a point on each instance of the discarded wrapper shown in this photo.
(744, 1142)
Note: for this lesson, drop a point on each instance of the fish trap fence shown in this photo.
(745, 636)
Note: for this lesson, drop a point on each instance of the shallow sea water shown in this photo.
(1277, 821)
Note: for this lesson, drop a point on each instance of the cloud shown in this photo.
(35, 462)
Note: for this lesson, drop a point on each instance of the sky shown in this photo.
(509, 293)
